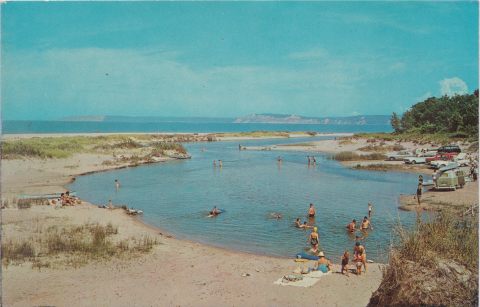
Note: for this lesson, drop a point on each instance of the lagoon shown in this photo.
(177, 195)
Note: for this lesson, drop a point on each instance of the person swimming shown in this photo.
(276, 215)
(305, 225)
(297, 223)
(215, 211)
(351, 226)
(311, 211)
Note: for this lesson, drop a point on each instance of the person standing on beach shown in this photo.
(360, 256)
(311, 211)
(370, 207)
(419, 192)
(117, 184)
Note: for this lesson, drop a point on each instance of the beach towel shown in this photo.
(308, 280)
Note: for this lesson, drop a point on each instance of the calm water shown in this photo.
(79, 127)
(177, 195)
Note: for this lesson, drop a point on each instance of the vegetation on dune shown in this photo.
(352, 156)
(64, 147)
(72, 246)
(456, 116)
(285, 134)
(435, 264)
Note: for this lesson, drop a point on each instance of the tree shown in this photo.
(396, 124)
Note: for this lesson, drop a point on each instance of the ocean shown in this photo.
(16, 127)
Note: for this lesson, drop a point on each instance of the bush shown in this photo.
(351, 156)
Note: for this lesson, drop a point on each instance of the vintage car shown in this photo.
(415, 160)
(399, 156)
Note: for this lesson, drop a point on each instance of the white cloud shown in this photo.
(453, 86)
(64, 82)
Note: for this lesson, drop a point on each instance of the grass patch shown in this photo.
(73, 246)
(435, 264)
(64, 147)
(352, 156)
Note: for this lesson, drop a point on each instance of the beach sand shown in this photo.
(176, 272)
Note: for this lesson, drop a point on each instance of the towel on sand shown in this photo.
(308, 280)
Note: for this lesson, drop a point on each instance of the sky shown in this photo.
(229, 59)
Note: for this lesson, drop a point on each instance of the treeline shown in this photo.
(457, 115)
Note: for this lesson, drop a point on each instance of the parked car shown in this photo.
(449, 149)
(447, 181)
(399, 156)
(440, 163)
(414, 160)
(430, 153)
(462, 159)
(442, 156)
(423, 151)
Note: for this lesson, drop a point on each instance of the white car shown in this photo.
(399, 156)
(415, 160)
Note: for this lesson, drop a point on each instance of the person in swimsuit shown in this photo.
(297, 223)
(419, 192)
(314, 161)
(360, 256)
(370, 207)
(313, 239)
(220, 164)
(366, 224)
(323, 264)
(345, 260)
(351, 226)
(117, 184)
(214, 211)
(214, 163)
(311, 211)
(304, 225)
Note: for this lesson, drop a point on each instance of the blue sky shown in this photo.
(227, 59)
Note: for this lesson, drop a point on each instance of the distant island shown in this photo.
(268, 118)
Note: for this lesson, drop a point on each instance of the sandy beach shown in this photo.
(175, 272)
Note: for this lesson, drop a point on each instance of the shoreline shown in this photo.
(215, 275)
(292, 134)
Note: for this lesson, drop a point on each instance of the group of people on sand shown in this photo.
(359, 252)
(65, 199)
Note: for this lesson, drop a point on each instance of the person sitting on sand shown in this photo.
(352, 226)
(311, 211)
(366, 224)
(214, 211)
(345, 261)
(323, 264)
(313, 239)
(360, 255)
(297, 223)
